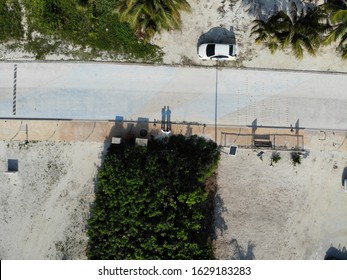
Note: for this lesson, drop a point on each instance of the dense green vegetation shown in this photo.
(10, 20)
(87, 23)
(337, 12)
(151, 201)
(304, 30)
(122, 28)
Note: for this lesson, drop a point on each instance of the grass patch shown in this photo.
(151, 201)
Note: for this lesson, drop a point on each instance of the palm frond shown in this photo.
(309, 46)
(273, 46)
(339, 16)
(344, 52)
(148, 17)
(297, 49)
(330, 38)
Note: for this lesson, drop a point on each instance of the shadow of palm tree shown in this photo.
(336, 253)
(263, 9)
(239, 253)
(219, 223)
(344, 175)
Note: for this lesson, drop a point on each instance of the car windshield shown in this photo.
(231, 49)
(210, 50)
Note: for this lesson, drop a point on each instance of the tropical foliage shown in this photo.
(148, 17)
(151, 202)
(299, 31)
(84, 24)
(10, 20)
(337, 12)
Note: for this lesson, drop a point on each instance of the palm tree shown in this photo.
(268, 32)
(147, 17)
(339, 32)
(306, 31)
(299, 31)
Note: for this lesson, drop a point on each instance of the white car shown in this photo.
(217, 51)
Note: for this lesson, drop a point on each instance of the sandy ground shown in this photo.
(282, 211)
(44, 207)
(263, 212)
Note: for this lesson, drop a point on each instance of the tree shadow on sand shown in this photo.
(219, 223)
(344, 175)
(239, 253)
(339, 253)
(263, 9)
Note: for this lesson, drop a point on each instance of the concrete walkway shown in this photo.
(103, 131)
(102, 91)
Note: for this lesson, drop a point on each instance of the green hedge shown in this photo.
(151, 202)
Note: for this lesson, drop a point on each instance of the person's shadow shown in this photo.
(168, 118)
(163, 117)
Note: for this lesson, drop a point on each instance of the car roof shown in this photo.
(222, 49)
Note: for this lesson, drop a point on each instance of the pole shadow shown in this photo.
(163, 117)
(297, 126)
(254, 125)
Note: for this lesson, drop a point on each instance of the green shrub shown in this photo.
(151, 203)
(275, 157)
(296, 158)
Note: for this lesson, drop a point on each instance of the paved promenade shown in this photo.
(103, 131)
(102, 91)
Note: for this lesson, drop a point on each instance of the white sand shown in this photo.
(284, 211)
(263, 212)
(44, 207)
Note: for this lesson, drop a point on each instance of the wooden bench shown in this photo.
(262, 140)
(263, 143)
